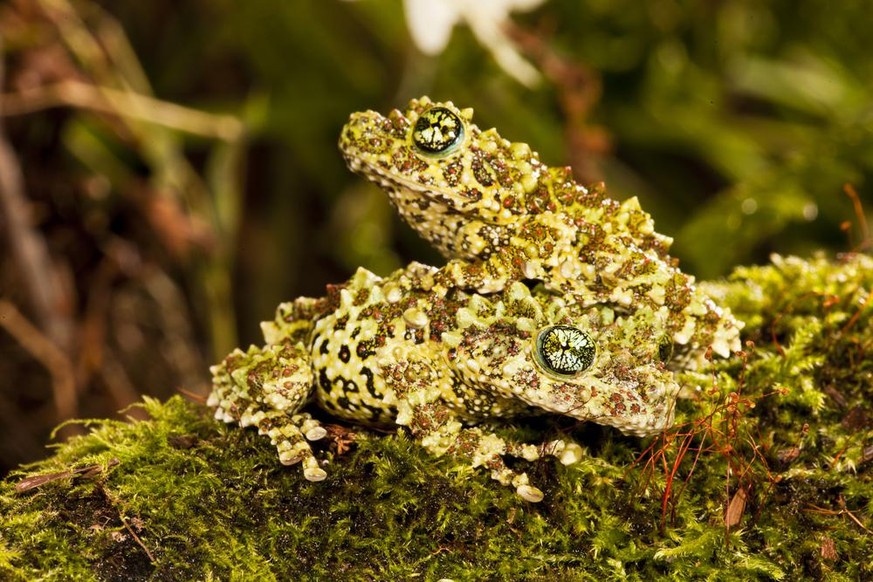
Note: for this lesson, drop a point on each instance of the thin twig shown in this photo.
(857, 315)
(842, 511)
(124, 104)
(866, 240)
(46, 353)
(28, 249)
(117, 506)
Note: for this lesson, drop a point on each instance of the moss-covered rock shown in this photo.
(766, 475)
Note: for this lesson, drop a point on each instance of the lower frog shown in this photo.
(390, 352)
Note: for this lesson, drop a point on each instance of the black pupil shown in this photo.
(437, 130)
(665, 349)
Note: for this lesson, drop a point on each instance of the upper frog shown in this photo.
(501, 215)
(386, 351)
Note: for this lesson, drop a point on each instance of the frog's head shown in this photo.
(442, 171)
(590, 364)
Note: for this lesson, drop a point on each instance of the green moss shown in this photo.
(788, 425)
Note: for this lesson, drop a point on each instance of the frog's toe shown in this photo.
(301, 453)
(314, 474)
(567, 452)
(293, 453)
(507, 476)
(524, 489)
(311, 428)
(316, 433)
(571, 454)
(288, 439)
(311, 470)
(529, 493)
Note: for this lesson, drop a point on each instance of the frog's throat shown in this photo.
(437, 214)
(425, 197)
(656, 410)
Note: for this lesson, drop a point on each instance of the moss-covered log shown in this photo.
(767, 475)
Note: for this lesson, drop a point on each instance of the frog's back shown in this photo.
(374, 319)
(384, 337)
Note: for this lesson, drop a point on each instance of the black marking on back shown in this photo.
(370, 385)
(323, 381)
(365, 349)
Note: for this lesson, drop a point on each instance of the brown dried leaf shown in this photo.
(736, 507)
(37, 481)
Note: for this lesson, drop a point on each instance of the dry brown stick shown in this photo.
(137, 539)
(124, 104)
(45, 352)
(116, 504)
(28, 249)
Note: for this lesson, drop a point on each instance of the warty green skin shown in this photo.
(391, 352)
(500, 215)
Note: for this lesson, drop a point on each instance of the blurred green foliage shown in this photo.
(708, 104)
(737, 123)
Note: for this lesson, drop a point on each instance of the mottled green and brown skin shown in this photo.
(438, 361)
(501, 215)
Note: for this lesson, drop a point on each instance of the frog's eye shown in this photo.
(665, 348)
(564, 350)
(438, 131)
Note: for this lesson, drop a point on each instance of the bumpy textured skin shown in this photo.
(501, 215)
(393, 351)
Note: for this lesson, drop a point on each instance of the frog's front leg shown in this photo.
(420, 393)
(266, 387)
(440, 433)
(487, 257)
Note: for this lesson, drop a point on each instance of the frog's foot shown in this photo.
(484, 449)
(291, 436)
(265, 387)
(437, 428)
(567, 452)
(503, 474)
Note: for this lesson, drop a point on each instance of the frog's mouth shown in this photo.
(397, 184)
(649, 420)
(630, 406)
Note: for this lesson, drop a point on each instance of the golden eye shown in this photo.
(564, 350)
(438, 131)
